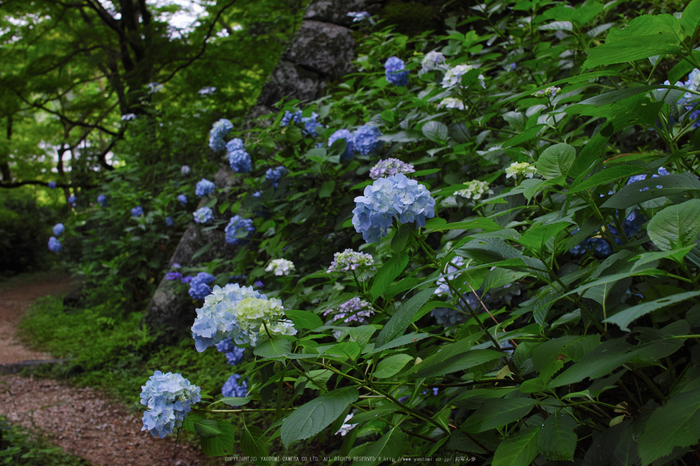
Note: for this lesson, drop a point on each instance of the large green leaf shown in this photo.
(254, 443)
(207, 427)
(557, 440)
(497, 413)
(691, 17)
(314, 416)
(435, 131)
(400, 321)
(622, 319)
(675, 226)
(386, 275)
(274, 348)
(519, 449)
(458, 362)
(391, 445)
(676, 424)
(391, 365)
(304, 319)
(556, 160)
(222, 444)
(606, 176)
(652, 188)
(400, 341)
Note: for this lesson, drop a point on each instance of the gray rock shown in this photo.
(324, 48)
(336, 11)
(291, 81)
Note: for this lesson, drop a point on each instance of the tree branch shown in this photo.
(17, 184)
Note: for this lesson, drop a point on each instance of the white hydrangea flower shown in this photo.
(452, 102)
(432, 61)
(474, 190)
(346, 427)
(453, 77)
(520, 169)
(280, 267)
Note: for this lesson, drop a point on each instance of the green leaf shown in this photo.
(556, 160)
(236, 401)
(497, 413)
(399, 322)
(636, 193)
(207, 427)
(202, 251)
(304, 319)
(386, 275)
(222, 444)
(459, 362)
(390, 446)
(327, 189)
(622, 319)
(276, 347)
(691, 18)
(519, 449)
(557, 440)
(435, 131)
(537, 235)
(388, 115)
(314, 416)
(676, 424)
(675, 226)
(404, 340)
(401, 238)
(391, 365)
(254, 443)
(606, 176)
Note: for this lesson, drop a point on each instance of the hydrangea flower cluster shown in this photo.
(358, 16)
(365, 139)
(474, 190)
(171, 276)
(233, 353)
(511, 67)
(232, 388)
(55, 245)
(350, 260)
(52, 184)
(185, 170)
(355, 310)
(517, 169)
(137, 211)
(661, 172)
(346, 427)
(275, 174)
(395, 71)
(600, 247)
(182, 198)
(240, 313)
(238, 229)
(199, 285)
(432, 61)
(349, 142)
(240, 162)
(71, 200)
(58, 229)
(234, 144)
(216, 136)
(549, 92)
(169, 397)
(204, 187)
(389, 198)
(310, 124)
(102, 200)
(453, 103)
(169, 221)
(280, 267)
(289, 117)
(203, 215)
(390, 167)
(453, 76)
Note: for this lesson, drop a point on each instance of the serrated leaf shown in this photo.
(207, 427)
(675, 226)
(557, 440)
(387, 273)
(390, 445)
(314, 416)
(691, 18)
(276, 347)
(254, 444)
(435, 131)
(458, 362)
(304, 319)
(606, 176)
(557, 26)
(622, 319)
(556, 160)
(497, 413)
(652, 188)
(399, 322)
(519, 449)
(222, 444)
(391, 365)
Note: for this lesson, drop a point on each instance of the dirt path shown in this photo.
(79, 420)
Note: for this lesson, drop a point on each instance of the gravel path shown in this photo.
(79, 420)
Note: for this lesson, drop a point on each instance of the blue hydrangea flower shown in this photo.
(204, 187)
(394, 71)
(358, 16)
(52, 184)
(216, 136)
(365, 139)
(275, 174)
(170, 276)
(58, 229)
(349, 142)
(102, 200)
(390, 167)
(169, 221)
(511, 67)
(389, 198)
(203, 215)
(182, 198)
(234, 144)
(199, 285)
(137, 211)
(310, 124)
(259, 284)
(233, 353)
(169, 398)
(661, 172)
(55, 245)
(238, 229)
(187, 280)
(289, 117)
(257, 194)
(185, 170)
(232, 389)
(240, 161)
(71, 200)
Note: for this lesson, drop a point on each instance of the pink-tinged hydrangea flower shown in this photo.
(365, 139)
(238, 229)
(216, 136)
(169, 398)
(204, 187)
(349, 142)
(203, 215)
(391, 198)
(350, 260)
(390, 167)
(395, 72)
